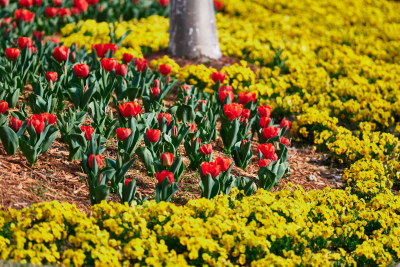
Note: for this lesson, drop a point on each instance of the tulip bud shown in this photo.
(156, 83)
(175, 131)
(15, 124)
(155, 91)
(167, 159)
(3, 106)
(72, 57)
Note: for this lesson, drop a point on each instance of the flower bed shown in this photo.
(332, 66)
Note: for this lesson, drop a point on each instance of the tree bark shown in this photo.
(193, 30)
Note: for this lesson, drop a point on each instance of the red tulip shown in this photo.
(24, 42)
(76, 11)
(127, 58)
(81, 70)
(264, 162)
(226, 88)
(127, 181)
(101, 49)
(163, 2)
(24, 15)
(264, 111)
(285, 141)
(153, 135)
(51, 119)
(218, 76)
(201, 102)
(186, 88)
(51, 12)
(165, 69)
(88, 131)
(38, 35)
(3, 3)
(130, 109)
(81, 5)
(51, 76)
(210, 167)
(245, 113)
(206, 149)
(218, 5)
(270, 132)
(225, 163)
(268, 151)
(286, 123)
(64, 12)
(37, 2)
(233, 110)
(60, 53)
(167, 116)
(98, 159)
(167, 159)
(121, 70)
(109, 64)
(123, 133)
(92, 2)
(25, 3)
(155, 91)
(246, 97)
(12, 53)
(264, 121)
(224, 94)
(57, 2)
(37, 124)
(3, 106)
(192, 127)
(141, 64)
(15, 124)
(156, 83)
(161, 176)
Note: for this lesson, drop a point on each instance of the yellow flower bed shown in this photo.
(287, 228)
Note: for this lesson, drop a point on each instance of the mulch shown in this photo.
(55, 178)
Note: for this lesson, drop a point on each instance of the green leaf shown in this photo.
(9, 139)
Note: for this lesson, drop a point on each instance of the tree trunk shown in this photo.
(193, 30)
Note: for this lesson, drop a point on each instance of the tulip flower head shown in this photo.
(12, 53)
(60, 53)
(167, 159)
(3, 106)
(233, 110)
(167, 116)
(15, 124)
(51, 76)
(127, 58)
(210, 167)
(81, 70)
(98, 159)
(141, 64)
(268, 151)
(153, 135)
(165, 174)
(88, 131)
(165, 69)
(270, 132)
(206, 149)
(129, 109)
(123, 133)
(218, 76)
(108, 64)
